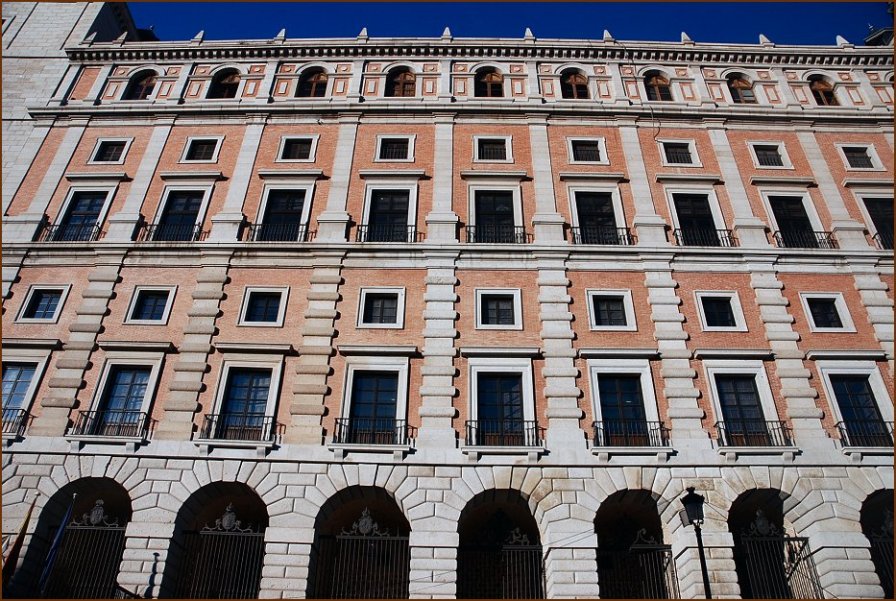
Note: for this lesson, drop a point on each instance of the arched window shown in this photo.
(741, 90)
(489, 84)
(401, 83)
(312, 84)
(657, 86)
(573, 84)
(822, 91)
(141, 86)
(224, 85)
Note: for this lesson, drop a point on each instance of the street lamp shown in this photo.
(693, 508)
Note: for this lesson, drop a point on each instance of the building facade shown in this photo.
(439, 318)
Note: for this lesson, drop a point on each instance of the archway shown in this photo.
(632, 561)
(877, 525)
(217, 550)
(361, 547)
(500, 555)
(88, 558)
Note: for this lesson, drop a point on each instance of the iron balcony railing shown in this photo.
(503, 433)
(372, 431)
(866, 433)
(112, 423)
(617, 236)
(123, 593)
(387, 233)
(704, 237)
(630, 433)
(15, 421)
(804, 239)
(754, 433)
(497, 234)
(276, 232)
(240, 426)
(70, 233)
(163, 232)
(884, 240)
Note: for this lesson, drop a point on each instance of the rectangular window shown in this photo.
(597, 219)
(263, 307)
(79, 224)
(609, 310)
(119, 412)
(491, 149)
(296, 149)
(585, 151)
(374, 404)
(857, 157)
(768, 155)
(243, 408)
(880, 210)
(498, 309)
(178, 220)
(380, 308)
(394, 149)
(824, 312)
(202, 150)
(43, 304)
(862, 424)
(744, 422)
(17, 378)
(795, 229)
(718, 312)
(387, 219)
(678, 153)
(109, 151)
(827, 312)
(150, 305)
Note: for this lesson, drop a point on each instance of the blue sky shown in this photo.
(738, 22)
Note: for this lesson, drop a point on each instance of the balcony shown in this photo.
(866, 433)
(704, 237)
(373, 431)
(805, 239)
(112, 423)
(503, 433)
(630, 433)
(753, 433)
(69, 233)
(387, 233)
(276, 232)
(616, 236)
(884, 240)
(163, 232)
(14, 422)
(251, 427)
(496, 234)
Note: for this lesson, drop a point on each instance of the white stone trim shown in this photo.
(248, 291)
(508, 148)
(630, 322)
(839, 303)
(522, 366)
(356, 363)
(782, 151)
(869, 149)
(621, 366)
(63, 290)
(399, 308)
(714, 367)
(312, 152)
(410, 158)
(129, 319)
(479, 296)
(601, 144)
(864, 368)
(96, 147)
(37, 356)
(736, 310)
(192, 139)
(692, 149)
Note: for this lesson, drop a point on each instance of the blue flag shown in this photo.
(54, 548)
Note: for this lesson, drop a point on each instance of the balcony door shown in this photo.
(388, 218)
(372, 417)
(794, 224)
(119, 414)
(597, 221)
(244, 405)
(744, 422)
(282, 221)
(698, 228)
(81, 217)
(494, 216)
(500, 409)
(178, 220)
(623, 421)
(881, 212)
(863, 424)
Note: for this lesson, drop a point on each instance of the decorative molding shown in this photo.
(392, 173)
(379, 349)
(733, 353)
(291, 173)
(849, 354)
(607, 353)
(115, 175)
(192, 175)
(43, 343)
(472, 174)
(131, 345)
(787, 180)
(245, 347)
(713, 178)
(851, 182)
(618, 177)
(499, 351)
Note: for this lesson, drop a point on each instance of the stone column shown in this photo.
(445, 91)
(547, 221)
(570, 553)
(99, 84)
(619, 95)
(703, 94)
(441, 223)
(788, 100)
(313, 365)
(12, 262)
(266, 87)
(873, 291)
(68, 377)
(874, 101)
(177, 90)
(850, 234)
(65, 86)
(749, 229)
(651, 229)
(564, 433)
(333, 222)
(189, 368)
(718, 546)
(433, 570)
(123, 223)
(437, 390)
(287, 557)
(796, 390)
(145, 555)
(226, 224)
(532, 82)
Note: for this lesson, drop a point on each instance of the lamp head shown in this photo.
(693, 506)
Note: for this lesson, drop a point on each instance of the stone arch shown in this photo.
(104, 558)
(227, 519)
(361, 546)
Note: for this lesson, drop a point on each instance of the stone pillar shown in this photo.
(796, 390)
(703, 94)
(189, 368)
(433, 571)
(313, 365)
(145, 554)
(445, 91)
(123, 223)
(850, 234)
(547, 222)
(441, 223)
(287, 557)
(532, 83)
(16, 172)
(685, 415)
(564, 433)
(788, 99)
(65, 86)
(570, 555)
(354, 85)
(226, 224)
(333, 222)
(718, 546)
(99, 84)
(619, 95)
(437, 390)
(266, 87)
(874, 101)
(749, 229)
(177, 90)
(68, 377)
(873, 291)
(651, 229)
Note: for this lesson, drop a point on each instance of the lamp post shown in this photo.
(693, 507)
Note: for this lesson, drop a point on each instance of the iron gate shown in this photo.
(222, 561)
(882, 554)
(89, 557)
(645, 571)
(365, 562)
(514, 570)
(778, 566)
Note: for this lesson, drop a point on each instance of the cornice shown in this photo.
(480, 49)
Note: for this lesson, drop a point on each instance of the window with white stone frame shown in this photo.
(859, 403)
(150, 305)
(110, 151)
(202, 149)
(394, 148)
(495, 213)
(297, 149)
(263, 306)
(23, 369)
(43, 303)
(381, 307)
(244, 409)
(82, 214)
(624, 404)
(678, 153)
(859, 157)
(390, 212)
(769, 155)
(180, 214)
(588, 151)
(502, 403)
(611, 310)
(720, 311)
(498, 309)
(374, 402)
(492, 149)
(826, 312)
(743, 404)
(876, 206)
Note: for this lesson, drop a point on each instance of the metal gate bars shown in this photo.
(645, 571)
(513, 570)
